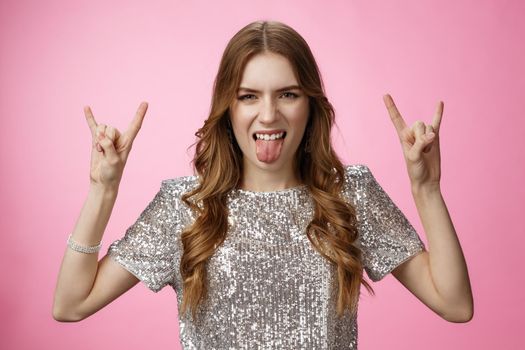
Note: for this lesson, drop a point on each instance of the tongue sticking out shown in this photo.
(269, 151)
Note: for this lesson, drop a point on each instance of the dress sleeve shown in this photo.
(148, 247)
(386, 237)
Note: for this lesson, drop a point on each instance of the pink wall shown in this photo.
(57, 56)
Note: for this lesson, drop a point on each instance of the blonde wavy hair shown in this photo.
(219, 166)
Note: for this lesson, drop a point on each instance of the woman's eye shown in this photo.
(290, 95)
(287, 95)
(246, 97)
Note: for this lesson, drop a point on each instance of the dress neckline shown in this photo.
(299, 188)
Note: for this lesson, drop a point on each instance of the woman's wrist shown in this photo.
(103, 191)
(426, 189)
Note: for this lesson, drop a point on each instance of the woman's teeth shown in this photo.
(268, 137)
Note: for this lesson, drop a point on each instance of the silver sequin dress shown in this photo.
(268, 287)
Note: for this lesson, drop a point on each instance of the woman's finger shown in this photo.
(110, 133)
(136, 123)
(438, 115)
(419, 128)
(429, 131)
(421, 141)
(99, 135)
(395, 116)
(117, 135)
(109, 149)
(90, 120)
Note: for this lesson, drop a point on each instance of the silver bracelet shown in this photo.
(82, 248)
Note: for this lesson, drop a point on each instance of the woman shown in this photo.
(266, 244)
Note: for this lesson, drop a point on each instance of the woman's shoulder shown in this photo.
(179, 185)
(356, 178)
(356, 171)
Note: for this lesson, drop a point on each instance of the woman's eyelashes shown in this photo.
(287, 95)
(291, 95)
(245, 97)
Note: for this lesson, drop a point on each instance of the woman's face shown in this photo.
(270, 113)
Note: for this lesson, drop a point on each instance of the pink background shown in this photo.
(57, 56)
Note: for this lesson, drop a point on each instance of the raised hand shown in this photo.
(420, 144)
(110, 149)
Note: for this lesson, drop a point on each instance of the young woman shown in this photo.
(266, 244)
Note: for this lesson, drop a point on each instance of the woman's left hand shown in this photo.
(420, 145)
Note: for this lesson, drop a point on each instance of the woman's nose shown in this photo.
(269, 112)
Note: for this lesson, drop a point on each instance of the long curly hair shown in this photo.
(218, 164)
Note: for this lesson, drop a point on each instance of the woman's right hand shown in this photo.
(110, 149)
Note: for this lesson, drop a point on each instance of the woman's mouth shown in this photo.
(269, 137)
(268, 145)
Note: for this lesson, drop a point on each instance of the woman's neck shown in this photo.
(261, 180)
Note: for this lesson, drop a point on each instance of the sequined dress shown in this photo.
(268, 287)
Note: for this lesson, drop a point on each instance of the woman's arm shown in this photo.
(438, 277)
(76, 294)
(84, 285)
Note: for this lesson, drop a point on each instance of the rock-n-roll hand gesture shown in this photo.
(443, 260)
(110, 149)
(420, 145)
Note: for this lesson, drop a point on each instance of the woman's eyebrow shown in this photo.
(290, 87)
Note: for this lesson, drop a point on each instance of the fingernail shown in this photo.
(430, 135)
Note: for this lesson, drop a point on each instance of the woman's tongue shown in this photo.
(268, 151)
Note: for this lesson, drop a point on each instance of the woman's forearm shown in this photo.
(447, 263)
(78, 270)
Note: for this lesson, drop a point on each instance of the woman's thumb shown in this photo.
(108, 147)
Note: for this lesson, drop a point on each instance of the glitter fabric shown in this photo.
(268, 287)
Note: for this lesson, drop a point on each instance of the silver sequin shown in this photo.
(268, 287)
